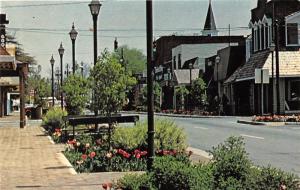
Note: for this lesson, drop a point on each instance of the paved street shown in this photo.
(278, 146)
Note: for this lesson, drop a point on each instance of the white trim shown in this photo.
(293, 15)
(244, 79)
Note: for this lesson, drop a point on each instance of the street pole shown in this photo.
(262, 92)
(95, 38)
(73, 34)
(277, 67)
(190, 97)
(149, 23)
(61, 83)
(95, 6)
(272, 98)
(61, 53)
(52, 86)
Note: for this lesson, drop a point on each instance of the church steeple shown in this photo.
(210, 28)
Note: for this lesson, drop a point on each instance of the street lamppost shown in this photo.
(67, 71)
(73, 34)
(81, 67)
(95, 9)
(272, 49)
(217, 64)
(277, 67)
(150, 97)
(61, 51)
(52, 86)
(190, 97)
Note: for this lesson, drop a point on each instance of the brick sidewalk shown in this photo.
(28, 160)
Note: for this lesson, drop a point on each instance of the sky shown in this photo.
(40, 26)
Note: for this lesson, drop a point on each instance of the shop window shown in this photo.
(295, 90)
(292, 33)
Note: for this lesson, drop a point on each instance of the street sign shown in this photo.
(261, 76)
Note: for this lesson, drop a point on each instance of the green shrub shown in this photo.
(230, 163)
(269, 178)
(172, 174)
(130, 138)
(136, 182)
(168, 136)
(53, 119)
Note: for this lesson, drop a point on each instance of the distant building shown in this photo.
(176, 53)
(246, 94)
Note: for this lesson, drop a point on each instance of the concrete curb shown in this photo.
(179, 115)
(268, 124)
(61, 157)
(200, 152)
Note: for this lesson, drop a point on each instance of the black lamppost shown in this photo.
(217, 63)
(81, 67)
(61, 51)
(73, 34)
(277, 66)
(190, 97)
(52, 86)
(150, 97)
(95, 9)
(272, 49)
(67, 71)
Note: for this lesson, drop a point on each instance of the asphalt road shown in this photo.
(278, 146)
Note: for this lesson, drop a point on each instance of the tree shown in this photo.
(135, 57)
(76, 89)
(156, 92)
(197, 93)
(182, 91)
(21, 55)
(43, 90)
(109, 83)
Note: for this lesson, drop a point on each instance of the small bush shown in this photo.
(172, 174)
(269, 178)
(136, 182)
(168, 136)
(230, 163)
(53, 119)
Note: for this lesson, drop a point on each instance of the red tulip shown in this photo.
(92, 154)
(84, 157)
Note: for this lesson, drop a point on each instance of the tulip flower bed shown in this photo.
(129, 148)
(276, 118)
(187, 112)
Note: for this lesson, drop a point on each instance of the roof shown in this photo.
(187, 63)
(3, 51)
(182, 76)
(7, 62)
(210, 20)
(288, 64)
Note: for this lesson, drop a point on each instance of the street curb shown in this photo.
(61, 157)
(268, 124)
(179, 115)
(200, 152)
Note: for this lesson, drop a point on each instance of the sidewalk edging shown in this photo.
(178, 115)
(268, 124)
(200, 152)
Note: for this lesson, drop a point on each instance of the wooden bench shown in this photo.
(91, 119)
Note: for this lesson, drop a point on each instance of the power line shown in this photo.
(42, 5)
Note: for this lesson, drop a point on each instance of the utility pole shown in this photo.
(277, 67)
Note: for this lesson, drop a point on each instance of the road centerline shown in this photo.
(254, 137)
(203, 128)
